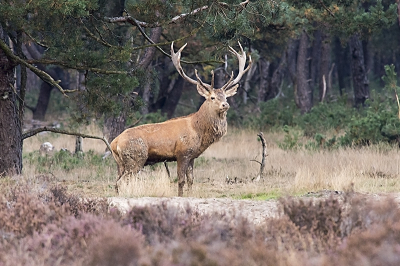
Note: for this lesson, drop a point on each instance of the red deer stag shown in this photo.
(180, 139)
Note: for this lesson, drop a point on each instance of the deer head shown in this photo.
(214, 97)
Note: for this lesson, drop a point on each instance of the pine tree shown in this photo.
(109, 43)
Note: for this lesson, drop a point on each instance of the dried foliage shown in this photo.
(55, 228)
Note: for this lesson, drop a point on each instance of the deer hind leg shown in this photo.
(189, 175)
(134, 158)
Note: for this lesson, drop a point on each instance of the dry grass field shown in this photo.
(226, 169)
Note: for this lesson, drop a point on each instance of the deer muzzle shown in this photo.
(224, 106)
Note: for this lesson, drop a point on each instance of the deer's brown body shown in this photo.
(181, 139)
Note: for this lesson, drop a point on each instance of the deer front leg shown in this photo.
(182, 168)
(189, 175)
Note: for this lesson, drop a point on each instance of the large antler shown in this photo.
(176, 59)
(242, 63)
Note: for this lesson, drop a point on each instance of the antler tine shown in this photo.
(228, 84)
(205, 85)
(242, 63)
(176, 60)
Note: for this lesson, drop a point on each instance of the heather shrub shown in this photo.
(56, 228)
(117, 245)
(74, 204)
(23, 213)
(322, 219)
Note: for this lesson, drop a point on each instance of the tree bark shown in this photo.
(246, 86)
(316, 52)
(291, 60)
(145, 64)
(342, 62)
(360, 78)
(10, 125)
(113, 126)
(303, 92)
(263, 66)
(277, 79)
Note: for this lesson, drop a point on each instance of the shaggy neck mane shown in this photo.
(212, 126)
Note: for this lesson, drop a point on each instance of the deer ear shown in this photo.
(202, 90)
(232, 91)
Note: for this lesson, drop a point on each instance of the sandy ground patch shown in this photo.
(255, 211)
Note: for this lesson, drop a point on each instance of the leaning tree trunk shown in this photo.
(39, 111)
(10, 125)
(360, 78)
(303, 92)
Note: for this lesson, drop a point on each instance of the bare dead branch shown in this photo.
(131, 20)
(264, 153)
(60, 131)
(197, 10)
(166, 168)
(256, 161)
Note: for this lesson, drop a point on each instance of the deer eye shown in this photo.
(213, 98)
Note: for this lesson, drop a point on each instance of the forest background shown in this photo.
(322, 69)
(323, 89)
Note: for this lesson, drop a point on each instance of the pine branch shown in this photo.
(326, 8)
(99, 40)
(41, 74)
(137, 24)
(63, 64)
(60, 131)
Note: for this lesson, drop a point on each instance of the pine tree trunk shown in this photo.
(303, 92)
(341, 61)
(360, 78)
(113, 126)
(325, 65)
(219, 78)
(39, 112)
(57, 73)
(263, 66)
(316, 51)
(173, 97)
(277, 79)
(291, 60)
(146, 93)
(10, 126)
